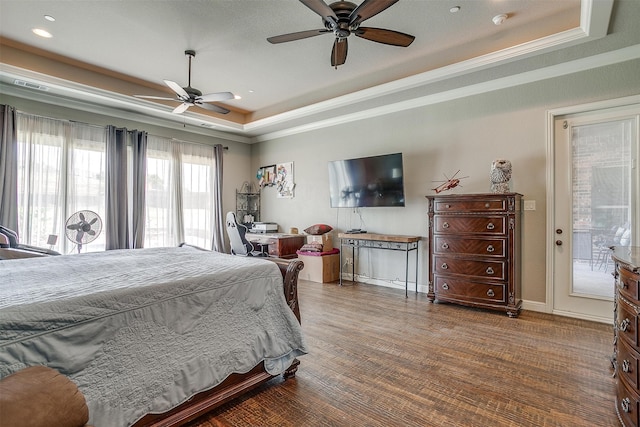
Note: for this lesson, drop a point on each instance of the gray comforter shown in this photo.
(140, 331)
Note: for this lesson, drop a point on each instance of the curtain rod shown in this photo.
(103, 127)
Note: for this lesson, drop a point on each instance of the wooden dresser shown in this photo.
(626, 346)
(474, 250)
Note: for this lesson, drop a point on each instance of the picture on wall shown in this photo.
(284, 180)
(266, 176)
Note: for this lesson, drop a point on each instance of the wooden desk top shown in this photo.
(274, 235)
(379, 237)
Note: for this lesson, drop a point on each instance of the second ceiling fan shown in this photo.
(343, 18)
(189, 96)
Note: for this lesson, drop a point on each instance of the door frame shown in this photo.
(550, 212)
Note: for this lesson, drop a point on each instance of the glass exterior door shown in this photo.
(596, 198)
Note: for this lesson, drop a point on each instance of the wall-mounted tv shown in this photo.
(367, 182)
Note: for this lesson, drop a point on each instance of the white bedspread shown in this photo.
(140, 331)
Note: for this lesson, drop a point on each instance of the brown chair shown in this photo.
(39, 396)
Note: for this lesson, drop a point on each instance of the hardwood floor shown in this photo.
(378, 359)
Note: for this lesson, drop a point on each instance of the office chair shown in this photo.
(239, 244)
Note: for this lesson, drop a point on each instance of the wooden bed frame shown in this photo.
(236, 384)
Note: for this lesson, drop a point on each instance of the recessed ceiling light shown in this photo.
(49, 18)
(42, 33)
(237, 97)
(454, 9)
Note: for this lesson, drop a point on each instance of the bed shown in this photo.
(152, 336)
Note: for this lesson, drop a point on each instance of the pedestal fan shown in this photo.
(83, 227)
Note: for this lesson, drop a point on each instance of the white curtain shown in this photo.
(61, 170)
(180, 200)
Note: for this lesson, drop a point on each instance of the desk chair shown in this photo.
(239, 244)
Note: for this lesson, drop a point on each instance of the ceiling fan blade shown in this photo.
(218, 96)
(213, 107)
(296, 36)
(177, 89)
(369, 8)
(155, 97)
(181, 108)
(321, 8)
(380, 35)
(339, 52)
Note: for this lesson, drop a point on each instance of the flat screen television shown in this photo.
(367, 182)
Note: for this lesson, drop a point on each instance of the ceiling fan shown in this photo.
(190, 96)
(343, 18)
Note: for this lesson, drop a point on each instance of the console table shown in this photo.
(405, 244)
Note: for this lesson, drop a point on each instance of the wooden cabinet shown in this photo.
(626, 355)
(474, 250)
(280, 245)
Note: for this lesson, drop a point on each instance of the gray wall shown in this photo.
(465, 134)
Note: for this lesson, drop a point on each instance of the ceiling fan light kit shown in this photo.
(189, 96)
(343, 18)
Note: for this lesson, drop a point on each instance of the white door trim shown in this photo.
(551, 116)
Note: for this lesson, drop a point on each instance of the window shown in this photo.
(60, 171)
(179, 200)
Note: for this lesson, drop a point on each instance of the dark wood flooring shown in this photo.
(378, 359)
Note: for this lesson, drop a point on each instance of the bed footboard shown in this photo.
(236, 384)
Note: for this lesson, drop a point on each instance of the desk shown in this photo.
(281, 245)
(380, 241)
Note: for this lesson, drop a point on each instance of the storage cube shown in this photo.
(320, 268)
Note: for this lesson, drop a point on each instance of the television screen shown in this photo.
(367, 182)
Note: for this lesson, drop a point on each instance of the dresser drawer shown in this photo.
(489, 269)
(445, 244)
(469, 290)
(627, 322)
(469, 224)
(627, 283)
(486, 205)
(627, 361)
(627, 404)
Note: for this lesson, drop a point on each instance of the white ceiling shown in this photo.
(279, 84)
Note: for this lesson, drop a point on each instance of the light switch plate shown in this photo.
(529, 205)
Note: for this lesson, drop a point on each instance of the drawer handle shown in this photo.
(445, 225)
(490, 226)
(445, 286)
(626, 404)
(624, 325)
(490, 293)
(447, 206)
(490, 270)
(444, 266)
(626, 366)
(486, 205)
(490, 248)
(445, 246)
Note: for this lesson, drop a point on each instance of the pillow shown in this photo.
(318, 229)
(312, 247)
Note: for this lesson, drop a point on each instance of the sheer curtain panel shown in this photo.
(61, 170)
